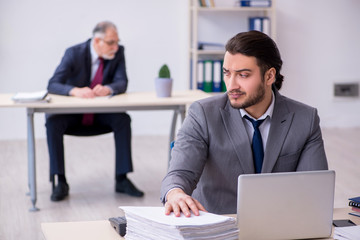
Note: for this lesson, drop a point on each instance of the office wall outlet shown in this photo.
(346, 89)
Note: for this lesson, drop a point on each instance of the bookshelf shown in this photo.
(217, 25)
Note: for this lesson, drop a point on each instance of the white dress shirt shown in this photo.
(94, 60)
(264, 127)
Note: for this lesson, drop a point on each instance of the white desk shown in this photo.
(91, 230)
(118, 103)
(94, 230)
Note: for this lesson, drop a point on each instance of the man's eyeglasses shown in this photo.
(110, 43)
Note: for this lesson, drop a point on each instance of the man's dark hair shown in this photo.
(262, 47)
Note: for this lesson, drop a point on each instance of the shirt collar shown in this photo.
(268, 112)
(94, 55)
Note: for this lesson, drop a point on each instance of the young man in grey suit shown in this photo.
(87, 70)
(216, 141)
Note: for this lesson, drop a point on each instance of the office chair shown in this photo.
(86, 131)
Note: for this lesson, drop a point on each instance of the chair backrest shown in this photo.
(172, 145)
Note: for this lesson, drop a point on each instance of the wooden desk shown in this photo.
(91, 230)
(118, 103)
(94, 230)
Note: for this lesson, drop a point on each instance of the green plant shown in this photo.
(164, 72)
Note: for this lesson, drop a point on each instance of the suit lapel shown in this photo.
(238, 137)
(106, 70)
(88, 62)
(280, 125)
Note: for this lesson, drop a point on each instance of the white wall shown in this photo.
(35, 34)
(319, 41)
(320, 45)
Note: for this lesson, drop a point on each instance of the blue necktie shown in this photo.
(257, 145)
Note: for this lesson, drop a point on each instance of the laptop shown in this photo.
(292, 205)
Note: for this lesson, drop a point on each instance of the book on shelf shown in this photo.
(26, 97)
(254, 3)
(206, 3)
(211, 46)
(152, 223)
(261, 24)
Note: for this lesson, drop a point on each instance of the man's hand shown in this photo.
(178, 201)
(100, 90)
(86, 92)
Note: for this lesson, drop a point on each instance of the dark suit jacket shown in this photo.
(212, 149)
(75, 71)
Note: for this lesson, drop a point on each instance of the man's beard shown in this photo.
(251, 100)
(108, 56)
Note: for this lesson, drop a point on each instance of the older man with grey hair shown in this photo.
(87, 70)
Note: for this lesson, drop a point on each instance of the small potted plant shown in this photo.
(163, 84)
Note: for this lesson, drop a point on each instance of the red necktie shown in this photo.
(88, 118)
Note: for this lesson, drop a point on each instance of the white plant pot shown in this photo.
(163, 87)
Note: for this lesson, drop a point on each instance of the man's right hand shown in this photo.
(178, 201)
(84, 92)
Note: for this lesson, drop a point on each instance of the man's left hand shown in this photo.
(100, 90)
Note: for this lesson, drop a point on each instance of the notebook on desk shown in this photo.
(294, 205)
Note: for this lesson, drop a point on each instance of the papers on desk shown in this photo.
(25, 97)
(152, 223)
(342, 233)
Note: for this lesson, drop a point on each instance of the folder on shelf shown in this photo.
(208, 76)
(261, 24)
(200, 74)
(255, 23)
(266, 26)
(217, 71)
(255, 3)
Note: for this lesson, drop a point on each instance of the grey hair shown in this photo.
(101, 27)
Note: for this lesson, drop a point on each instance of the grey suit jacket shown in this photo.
(212, 149)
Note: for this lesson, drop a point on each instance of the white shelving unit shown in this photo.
(218, 22)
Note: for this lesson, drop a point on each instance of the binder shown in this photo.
(200, 75)
(217, 70)
(266, 25)
(261, 24)
(255, 3)
(208, 76)
(223, 85)
(255, 23)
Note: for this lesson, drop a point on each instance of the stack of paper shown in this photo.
(152, 223)
(351, 232)
(23, 97)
